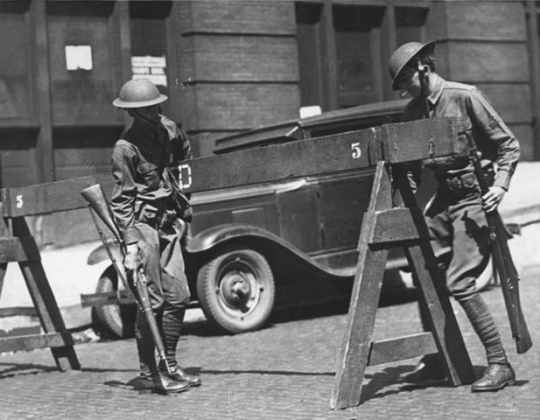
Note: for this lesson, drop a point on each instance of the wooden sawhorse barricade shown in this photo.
(18, 245)
(385, 226)
(382, 148)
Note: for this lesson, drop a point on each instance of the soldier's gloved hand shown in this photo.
(132, 260)
(493, 198)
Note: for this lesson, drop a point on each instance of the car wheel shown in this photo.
(236, 290)
(113, 321)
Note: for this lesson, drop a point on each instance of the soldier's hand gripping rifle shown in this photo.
(504, 264)
(97, 203)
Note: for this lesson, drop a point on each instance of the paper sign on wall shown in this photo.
(78, 57)
(149, 67)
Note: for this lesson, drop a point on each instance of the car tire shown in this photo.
(236, 290)
(113, 321)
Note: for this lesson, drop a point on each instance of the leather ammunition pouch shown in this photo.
(458, 185)
(151, 213)
(163, 214)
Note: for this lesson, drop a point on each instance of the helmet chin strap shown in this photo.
(424, 85)
(137, 114)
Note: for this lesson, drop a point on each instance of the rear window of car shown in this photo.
(359, 124)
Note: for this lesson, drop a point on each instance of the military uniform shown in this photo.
(144, 209)
(455, 215)
(147, 215)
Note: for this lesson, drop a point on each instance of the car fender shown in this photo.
(99, 254)
(221, 234)
(205, 240)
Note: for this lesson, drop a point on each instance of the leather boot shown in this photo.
(430, 369)
(483, 323)
(160, 384)
(495, 377)
(180, 375)
(171, 327)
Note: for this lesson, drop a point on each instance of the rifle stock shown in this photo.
(98, 204)
(95, 197)
(506, 269)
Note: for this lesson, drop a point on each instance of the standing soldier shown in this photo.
(456, 214)
(148, 217)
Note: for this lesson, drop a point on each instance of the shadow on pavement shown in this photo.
(391, 377)
(266, 372)
(24, 369)
(33, 369)
(132, 383)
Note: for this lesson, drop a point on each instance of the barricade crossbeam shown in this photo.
(385, 225)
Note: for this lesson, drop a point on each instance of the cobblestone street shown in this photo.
(207, 168)
(285, 371)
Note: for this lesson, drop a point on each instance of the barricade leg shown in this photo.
(56, 336)
(383, 227)
(353, 356)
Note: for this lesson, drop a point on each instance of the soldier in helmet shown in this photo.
(456, 214)
(148, 217)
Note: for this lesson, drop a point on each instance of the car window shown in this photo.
(358, 124)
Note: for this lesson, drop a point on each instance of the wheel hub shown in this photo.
(235, 289)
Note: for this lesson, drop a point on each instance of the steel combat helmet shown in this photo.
(403, 56)
(138, 93)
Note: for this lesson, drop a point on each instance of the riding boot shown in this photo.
(150, 379)
(145, 346)
(171, 325)
(499, 372)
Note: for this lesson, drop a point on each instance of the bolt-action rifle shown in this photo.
(97, 203)
(504, 264)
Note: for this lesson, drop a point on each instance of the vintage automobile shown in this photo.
(268, 246)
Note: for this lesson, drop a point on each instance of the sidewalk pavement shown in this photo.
(285, 371)
(70, 276)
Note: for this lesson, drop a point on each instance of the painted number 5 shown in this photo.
(356, 152)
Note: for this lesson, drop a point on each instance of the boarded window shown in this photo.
(410, 24)
(308, 35)
(344, 63)
(14, 76)
(357, 41)
(149, 43)
(82, 92)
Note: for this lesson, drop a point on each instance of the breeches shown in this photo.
(163, 263)
(462, 226)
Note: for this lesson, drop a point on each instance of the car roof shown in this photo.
(289, 130)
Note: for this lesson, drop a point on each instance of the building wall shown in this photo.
(231, 66)
(238, 66)
(485, 44)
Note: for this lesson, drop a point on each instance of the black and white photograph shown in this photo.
(270, 209)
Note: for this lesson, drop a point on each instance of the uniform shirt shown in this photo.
(476, 119)
(138, 161)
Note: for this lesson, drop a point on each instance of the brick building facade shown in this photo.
(231, 65)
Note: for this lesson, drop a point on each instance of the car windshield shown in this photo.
(327, 123)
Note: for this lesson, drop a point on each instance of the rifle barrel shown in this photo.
(503, 262)
(98, 203)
